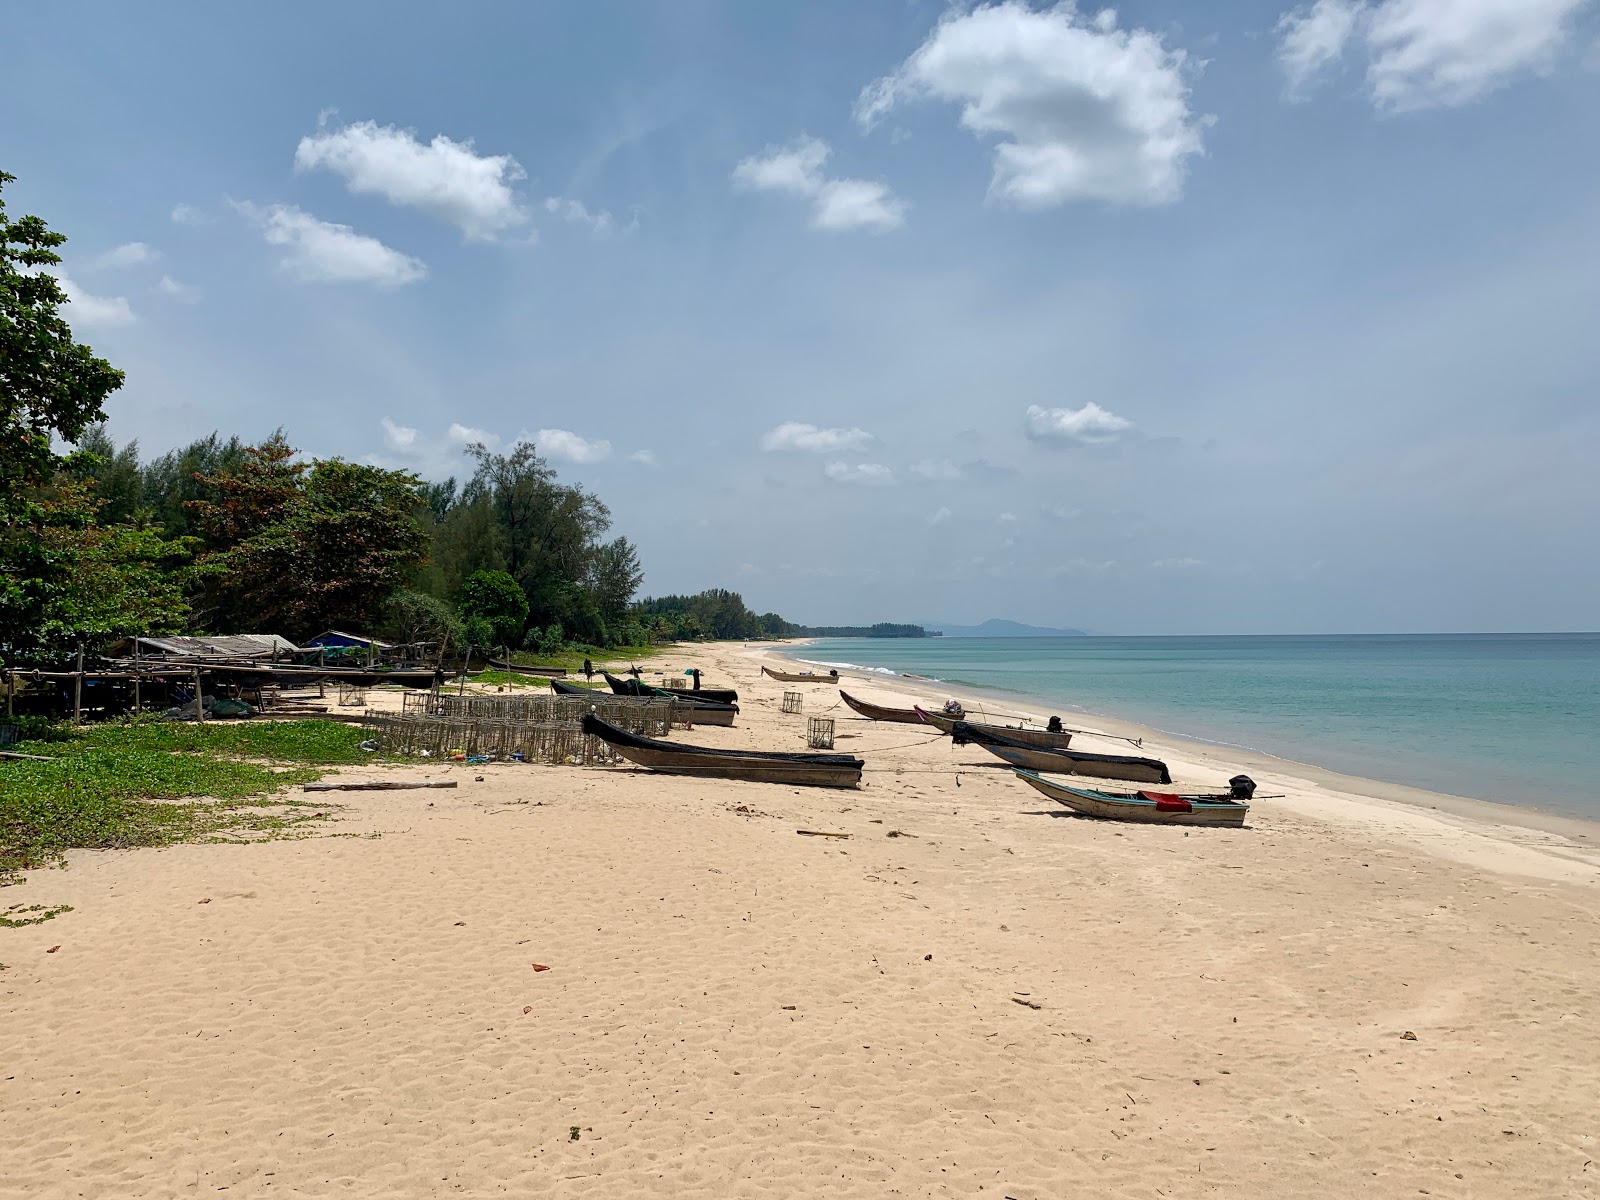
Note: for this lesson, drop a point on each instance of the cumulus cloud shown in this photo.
(445, 178)
(187, 214)
(599, 222)
(1089, 425)
(837, 205)
(173, 290)
(1427, 53)
(322, 252)
(643, 457)
(797, 435)
(89, 310)
(935, 468)
(131, 254)
(1084, 110)
(398, 437)
(866, 474)
(466, 435)
(1312, 39)
(565, 446)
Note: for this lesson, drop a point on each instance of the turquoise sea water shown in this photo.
(1513, 718)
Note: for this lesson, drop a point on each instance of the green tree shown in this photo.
(294, 548)
(411, 617)
(492, 603)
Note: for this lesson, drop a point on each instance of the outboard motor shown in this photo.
(1241, 787)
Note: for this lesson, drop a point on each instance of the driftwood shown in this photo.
(819, 833)
(18, 755)
(376, 785)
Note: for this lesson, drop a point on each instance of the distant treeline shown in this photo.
(883, 629)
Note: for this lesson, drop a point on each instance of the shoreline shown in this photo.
(1470, 815)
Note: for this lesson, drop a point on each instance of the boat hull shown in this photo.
(877, 712)
(1033, 737)
(1062, 762)
(786, 677)
(1118, 806)
(802, 770)
(697, 714)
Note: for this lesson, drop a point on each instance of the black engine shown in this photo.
(1241, 787)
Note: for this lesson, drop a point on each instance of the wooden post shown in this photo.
(11, 683)
(138, 672)
(462, 690)
(322, 661)
(77, 691)
(199, 708)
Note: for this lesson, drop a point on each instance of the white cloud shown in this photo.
(837, 205)
(566, 446)
(940, 516)
(935, 468)
(445, 178)
(1177, 564)
(398, 437)
(600, 222)
(797, 435)
(1090, 424)
(172, 289)
(1085, 111)
(866, 474)
(645, 457)
(87, 309)
(1006, 518)
(1311, 39)
(130, 254)
(466, 435)
(322, 252)
(1081, 566)
(1427, 53)
(187, 214)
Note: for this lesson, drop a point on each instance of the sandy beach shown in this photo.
(1367, 992)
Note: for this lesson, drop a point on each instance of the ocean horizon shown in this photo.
(1507, 718)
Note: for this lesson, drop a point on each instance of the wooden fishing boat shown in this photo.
(701, 711)
(803, 677)
(877, 712)
(562, 688)
(637, 687)
(760, 766)
(1064, 762)
(1033, 737)
(1149, 808)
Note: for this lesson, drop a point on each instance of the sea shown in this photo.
(1508, 718)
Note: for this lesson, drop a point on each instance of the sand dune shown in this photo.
(732, 1010)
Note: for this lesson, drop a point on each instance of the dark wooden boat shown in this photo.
(1149, 808)
(637, 687)
(501, 664)
(804, 677)
(1033, 737)
(1064, 762)
(877, 712)
(701, 711)
(760, 766)
(562, 688)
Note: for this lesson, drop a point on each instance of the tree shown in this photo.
(50, 386)
(493, 604)
(614, 578)
(293, 547)
(411, 617)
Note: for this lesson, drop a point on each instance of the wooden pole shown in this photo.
(465, 666)
(77, 691)
(138, 670)
(199, 708)
(11, 683)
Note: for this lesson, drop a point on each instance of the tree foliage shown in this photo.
(493, 608)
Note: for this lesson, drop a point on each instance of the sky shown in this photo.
(1173, 318)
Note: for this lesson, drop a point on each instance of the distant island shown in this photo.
(884, 629)
(1002, 629)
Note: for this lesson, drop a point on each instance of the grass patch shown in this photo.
(572, 660)
(140, 784)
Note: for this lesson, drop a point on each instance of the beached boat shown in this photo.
(1064, 762)
(702, 711)
(562, 688)
(761, 766)
(1150, 808)
(1033, 737)
(877, 712)
(802, 677)
(637, 687)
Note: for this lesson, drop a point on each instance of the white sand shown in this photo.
(1221, 1010)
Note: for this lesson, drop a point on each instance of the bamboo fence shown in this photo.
(647, 717)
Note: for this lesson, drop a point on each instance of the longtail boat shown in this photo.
(638, 687)
(1150, 808)
(803, 677)
(1033, 737)
(701, 711)
(562, 688)
(1064, 762)
(760, 766)
(877, 712)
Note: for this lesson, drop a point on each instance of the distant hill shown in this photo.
(1000, 629)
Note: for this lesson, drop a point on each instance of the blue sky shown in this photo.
(1236, 317)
